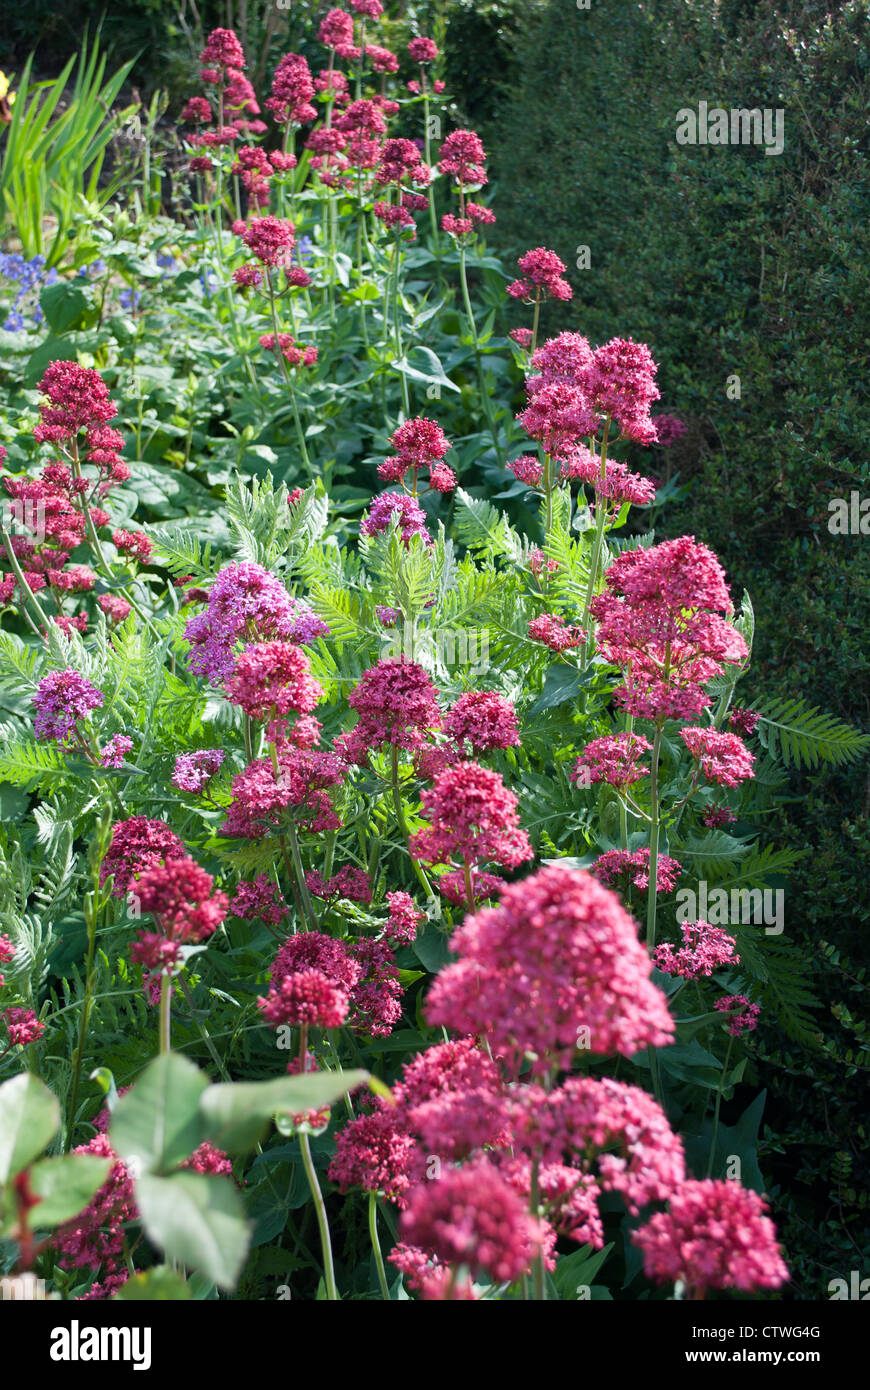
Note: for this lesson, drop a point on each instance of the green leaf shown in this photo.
(197, 1220)
(62, 305)
(580, 1267)
(236, 1115)
(152, 1285)
(29, 1117)
(801, 735)
(156, 1125)
(561, 685)
(65, 1185)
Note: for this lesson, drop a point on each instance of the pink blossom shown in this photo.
(704, 950)
(474, 819)
(723, 758)
(483, 720)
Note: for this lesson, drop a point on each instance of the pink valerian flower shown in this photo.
(61, 699)
(744, 721)
(374, 1152)
(423, 50)
(538, 563)
(483, 720)
(456, 226)
(399, 163)
(115, 608)
(542, 275)
(610, 867)
(472, 1217)
(559, 954)
(193, 771)
(522, 336)
(618, 1127)
(77, 579)
(659, 619)
(614, 759)
(271, 240)
(401, 926)
(336, 29)
(95, 1236)
(406, 511)
(259, 899)
(294, 354)
(179, 896)
(552, 630)
(397, 706)
(483, 886)
(115, 750)
(222, 50)
(528, 469)
(138, 844)
(615, 484)
(394, 215)
(352, 884)
(723, 758)
(559, 417)
(272, 679)
(742, 1015)
(463, 157)
(704, 950)
(7, 950)
(197, 110)
(77, 399)
(381, 59)
(104, 1289)
(569, 1197)
(292, 91)
(564, 359)
(248, 277)
(717, 816)
(208, 1159)
(306, 998)
(474, 819)
(620, 382)
(419, 443)
(669, 429)
(376, 998)
(428, 1276)
(22, 1026)
(714, 1235)
(263, 804)
(245, 602)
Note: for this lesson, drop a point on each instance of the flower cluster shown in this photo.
(704, 950)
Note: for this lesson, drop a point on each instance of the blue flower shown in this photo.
(166, 262)
(14, 323)
(129, 299)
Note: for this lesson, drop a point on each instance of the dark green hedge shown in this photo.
(729, 261)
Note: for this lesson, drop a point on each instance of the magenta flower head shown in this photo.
(723, 757)
(704, 950)
(193, 771)
(423, 50)
(621, 381)
(542, 277)
(464, 158)
(484, 720)
(396, 508)
(556, 965)
(61, 699)
(397, 706)
(77, 398)
(615, 759)
(271, 240)
(138, 844)
(336, 29)
(742, 1015)
(715, 1235)
(471, 1216)
(222, 50)
(273, 678)
(474, 819)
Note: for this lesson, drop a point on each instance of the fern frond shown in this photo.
(801, 735)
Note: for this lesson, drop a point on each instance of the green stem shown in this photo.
(376, 1246)
(282, 359)
(87, 1002)
(485, 396)
(165, 1017)
(403, 824)
(718, 1107)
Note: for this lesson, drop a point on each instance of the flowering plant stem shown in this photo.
(300, 436)
(717, 1108)
(316, 1194)
(403, 824)
(376, 1247)
(484, 393)
(165, 1015)
(600, 518)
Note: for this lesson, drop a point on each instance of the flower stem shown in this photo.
(165, 1018)
(376, 1246)
(717, 1108)
(485, 396)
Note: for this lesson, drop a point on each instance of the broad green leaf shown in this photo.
(154, 1285)
(197, 1220)
(29, 1118)
(156, 1125)
(65, 1185)
(235, 1115)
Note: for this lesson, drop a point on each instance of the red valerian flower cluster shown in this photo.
(704, 949)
